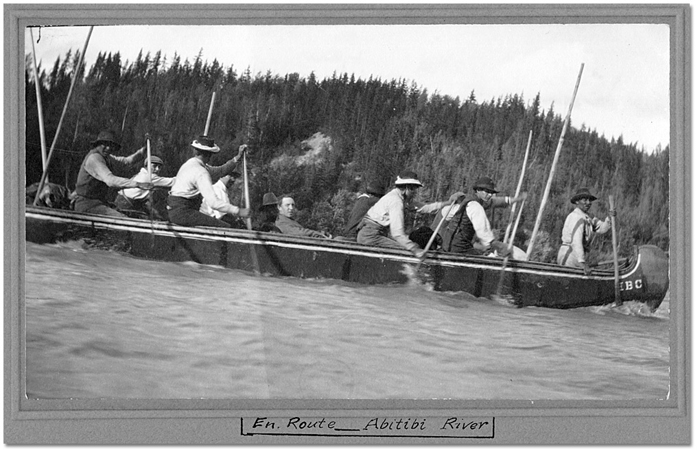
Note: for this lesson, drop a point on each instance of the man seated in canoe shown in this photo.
(140, 200)
(383, 225)
(95, 176)
(268, 212)
(374, 191)
(578, 232)
(221, 189)
(193, 183)
(468, 230)
(286, 212)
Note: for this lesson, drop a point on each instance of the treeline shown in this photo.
(375, 128)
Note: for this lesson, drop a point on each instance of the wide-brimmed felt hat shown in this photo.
(269, 199)
(407, 177)
(486, 184)
(106, 138)
(583, 193)
(205, 143)
(376, 187)
(154, 160)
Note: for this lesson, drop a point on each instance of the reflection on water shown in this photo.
(102, 324)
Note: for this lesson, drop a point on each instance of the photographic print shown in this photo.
(346, 224)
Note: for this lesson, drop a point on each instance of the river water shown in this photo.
(101, 324)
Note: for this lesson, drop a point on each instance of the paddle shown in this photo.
(432, 237)
(618, 300)
(248, 222)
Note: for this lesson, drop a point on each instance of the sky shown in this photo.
(624, 87)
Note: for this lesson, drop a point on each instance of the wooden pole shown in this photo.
(39, 107)
(211, 109)
(517, 190)
(60, 122)
(552, 171)
(618, 301)
(433, 236)
(248, 222)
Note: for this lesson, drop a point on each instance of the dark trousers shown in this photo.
(185, 212)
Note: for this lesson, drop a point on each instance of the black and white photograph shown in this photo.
(347, 224)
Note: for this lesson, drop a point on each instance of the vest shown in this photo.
(458, 234)
(88, 186)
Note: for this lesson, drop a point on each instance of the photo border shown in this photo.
(218, 421)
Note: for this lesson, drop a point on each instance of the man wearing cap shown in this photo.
(365, 201)
(578, 232)
(383, 225)
(95, 176)
(137, 199)
(269, 213)
(193, 183)
(286, 212)
(468, 230)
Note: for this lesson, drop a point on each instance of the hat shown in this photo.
(376, 187)
(154, 160)
(106, 138)
(269, 199)
(407, 177)
(583, 193)
(486, 184)
(204, 143)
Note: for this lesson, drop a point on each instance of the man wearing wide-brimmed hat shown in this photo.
(136, 199)
(193, 183)
(468, 229)
(374, 191)
(579, 230)
(383, 225)
(95, 176)
(268, 212)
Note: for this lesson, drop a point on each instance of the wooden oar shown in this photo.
(45, 173)
(248, 222)
(433, 236)
(618, 300)
(553, 169)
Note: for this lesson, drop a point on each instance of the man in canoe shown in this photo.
(286, 223)
(95, 176)
(383, 225)
(221, 189)
(193, 183)
(268, 213)
(374, 191)
(578, 232)
(468, 230)
(137, 199)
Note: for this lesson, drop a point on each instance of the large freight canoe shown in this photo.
(642, 277)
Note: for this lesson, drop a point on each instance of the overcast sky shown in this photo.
(624, 88)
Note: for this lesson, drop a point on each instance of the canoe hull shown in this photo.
(644, 278)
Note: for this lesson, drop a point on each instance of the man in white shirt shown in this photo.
(383, 225)
(578, 232)
(221, 189)
(137, 199)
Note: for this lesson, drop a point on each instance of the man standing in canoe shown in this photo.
(193, 183)
(383, 225)
(95, 176)
(468, 230)
(578, 232)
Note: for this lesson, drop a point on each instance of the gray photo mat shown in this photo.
(190, 421)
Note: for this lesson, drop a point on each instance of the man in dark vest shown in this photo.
(468, 230)
(95, 176)
(375, 190)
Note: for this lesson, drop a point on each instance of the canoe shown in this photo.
(643, 276)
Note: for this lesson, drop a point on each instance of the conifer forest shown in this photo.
(323, 140)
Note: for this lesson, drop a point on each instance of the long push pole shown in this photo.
(618, 301)
(60, 122)
(40, 109)
(553, 170)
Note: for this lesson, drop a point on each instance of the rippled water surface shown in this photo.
(104, 324)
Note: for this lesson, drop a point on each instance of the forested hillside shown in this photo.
(320, 140)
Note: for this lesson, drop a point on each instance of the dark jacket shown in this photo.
(363, 203)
